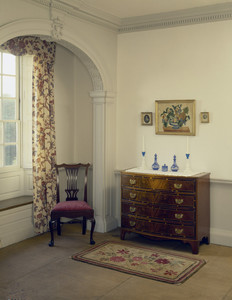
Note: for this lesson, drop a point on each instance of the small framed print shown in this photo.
(146, 118)
(204, 117)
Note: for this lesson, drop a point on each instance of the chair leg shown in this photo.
(92, 242)
(58, 227)
(51, 243)
(84, 225)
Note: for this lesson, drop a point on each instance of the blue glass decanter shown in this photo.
(174, 167)
(155, 166)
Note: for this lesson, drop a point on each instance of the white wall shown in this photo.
(191, 62)
(220, 213)
(64, 103)
(83, 144)
(188, 62)
(73, 109)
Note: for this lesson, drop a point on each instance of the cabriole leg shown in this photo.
(51, 243)
(84, 225)
(92, 242)
(58, 227)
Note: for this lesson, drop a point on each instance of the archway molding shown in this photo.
(41, 27)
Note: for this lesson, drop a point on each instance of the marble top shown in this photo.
(168, 173)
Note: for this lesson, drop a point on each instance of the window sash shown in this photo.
(6, 143)
(9, 114)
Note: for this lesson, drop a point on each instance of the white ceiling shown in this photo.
(133, 8)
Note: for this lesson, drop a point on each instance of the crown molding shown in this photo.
(198, 15)
(83, 11)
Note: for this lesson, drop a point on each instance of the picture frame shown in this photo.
(204, 117)
(175, 117)
(146, 118)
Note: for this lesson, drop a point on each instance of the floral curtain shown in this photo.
(43, 124)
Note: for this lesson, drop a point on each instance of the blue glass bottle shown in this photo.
(155, 166)
(164, 168)
(174, 167)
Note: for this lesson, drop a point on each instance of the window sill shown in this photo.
(15, 202)
(10, 169)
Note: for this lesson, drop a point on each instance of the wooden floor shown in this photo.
(31, 270)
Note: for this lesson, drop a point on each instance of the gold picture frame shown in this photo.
(175, 117)
(204, 117)
(146, 118)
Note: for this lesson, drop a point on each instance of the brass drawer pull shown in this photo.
(132, 181)
(133, 195)
(179, 216)
(179, 230)
(177, 185)
(132, 209)
(179, 201)
(132, 223)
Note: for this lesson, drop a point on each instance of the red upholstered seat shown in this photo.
(72, 209)
(72, 205)
(75, 206)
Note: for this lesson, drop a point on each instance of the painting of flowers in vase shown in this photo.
(175, 117)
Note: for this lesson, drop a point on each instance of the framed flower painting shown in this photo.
(175, 117)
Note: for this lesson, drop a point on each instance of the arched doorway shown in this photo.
(103, 116)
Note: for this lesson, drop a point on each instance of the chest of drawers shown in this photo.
(167, 207)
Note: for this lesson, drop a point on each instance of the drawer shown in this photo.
(158, 228)
(131, 180)
(144, 182)
(158, 183)
(136, 209)
(157, 213)
(179, 185)
(168, 184)
(161, 198)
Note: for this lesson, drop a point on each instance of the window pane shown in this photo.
(10, 155)
(9, 109)
(10, 132)
(9, 64)
(1, 133)
(9, 86)
(1, 157)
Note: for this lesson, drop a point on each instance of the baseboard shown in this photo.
(105, 225)
(221, 237)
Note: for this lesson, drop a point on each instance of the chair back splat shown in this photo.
(72, 198)
(72, 189)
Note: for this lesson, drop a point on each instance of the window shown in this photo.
(9, 111)
(15, 125)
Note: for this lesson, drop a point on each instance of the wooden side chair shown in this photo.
(74, 206)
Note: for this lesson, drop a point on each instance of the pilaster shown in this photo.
(103, 159)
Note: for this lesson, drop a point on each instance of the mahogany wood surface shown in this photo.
(167, 207)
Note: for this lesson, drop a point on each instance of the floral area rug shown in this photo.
(141, 261)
